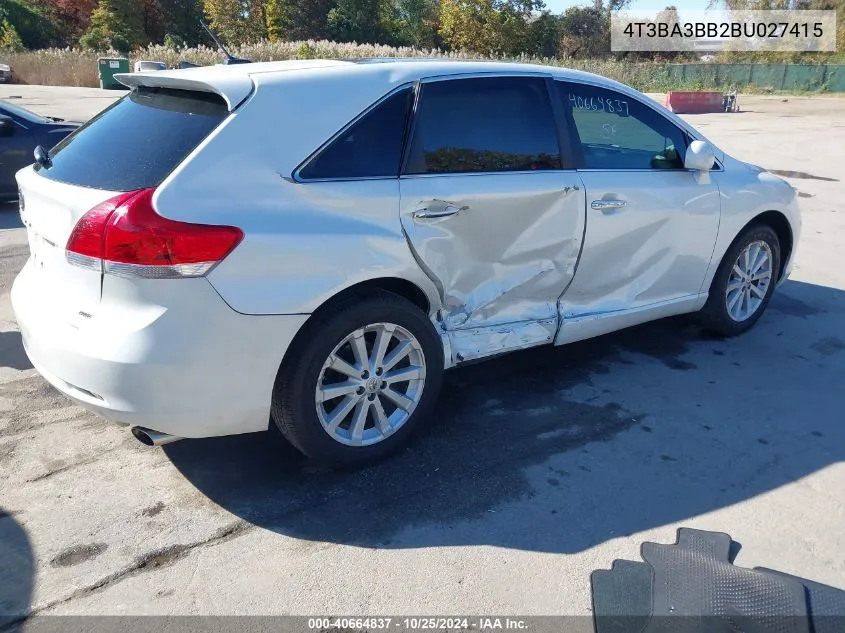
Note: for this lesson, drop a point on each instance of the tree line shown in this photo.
(499, 27)
(502, 27)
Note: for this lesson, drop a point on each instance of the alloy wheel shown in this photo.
(749, 281)
(370, 384)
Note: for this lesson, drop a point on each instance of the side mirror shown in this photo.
(7, 125)
(700, 156)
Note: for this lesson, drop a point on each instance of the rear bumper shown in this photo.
(186, 364)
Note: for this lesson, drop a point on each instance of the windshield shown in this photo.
(18, 112)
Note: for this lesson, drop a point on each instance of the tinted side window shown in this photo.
(370, 148)
(617, 132)
(484, 125)
(137, 142)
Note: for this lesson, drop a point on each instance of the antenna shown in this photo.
(230, 59)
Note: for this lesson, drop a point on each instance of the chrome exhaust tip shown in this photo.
(148, 437)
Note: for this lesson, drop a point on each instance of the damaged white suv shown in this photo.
(313, 243)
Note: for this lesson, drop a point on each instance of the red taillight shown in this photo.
(85, 244)
(125, 236)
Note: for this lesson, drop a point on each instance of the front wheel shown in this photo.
(744, 283)
(359, 380)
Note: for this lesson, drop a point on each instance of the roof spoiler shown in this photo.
(233, 87)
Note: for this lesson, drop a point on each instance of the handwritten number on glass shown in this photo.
(599, 104)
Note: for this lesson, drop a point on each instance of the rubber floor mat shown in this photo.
(692, 586)
(697, 588)
(622, 595)
(825, 604)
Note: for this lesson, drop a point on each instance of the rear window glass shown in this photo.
(138, 141)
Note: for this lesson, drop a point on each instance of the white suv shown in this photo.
(312, 243)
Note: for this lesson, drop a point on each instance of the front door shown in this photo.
(651, 223)
(490, 211)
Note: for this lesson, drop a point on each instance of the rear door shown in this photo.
(651, 223)
(134, 144)
(492, 210)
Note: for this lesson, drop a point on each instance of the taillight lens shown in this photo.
(125, 236)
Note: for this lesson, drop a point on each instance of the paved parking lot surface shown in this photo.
(538, 467)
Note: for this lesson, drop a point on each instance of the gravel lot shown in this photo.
(537, 469)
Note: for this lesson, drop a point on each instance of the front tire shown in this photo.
(744, 283)
(360, 378)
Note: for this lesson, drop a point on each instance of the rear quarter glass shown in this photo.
(138, 141)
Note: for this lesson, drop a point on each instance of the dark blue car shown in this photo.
(21, 131)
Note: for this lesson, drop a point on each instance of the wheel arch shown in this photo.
(775, 220)
(297, 368)
(395, 285)
(779, 223)
(714, 314)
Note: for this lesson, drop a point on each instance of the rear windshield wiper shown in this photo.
(42, 157)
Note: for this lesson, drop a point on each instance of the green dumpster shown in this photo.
(110, 66)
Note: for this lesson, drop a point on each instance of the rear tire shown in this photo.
(744, 283)
(345, 364)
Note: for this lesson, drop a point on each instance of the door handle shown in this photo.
(438, 209)
(604, 205)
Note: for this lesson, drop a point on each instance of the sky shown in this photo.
(559, 6)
